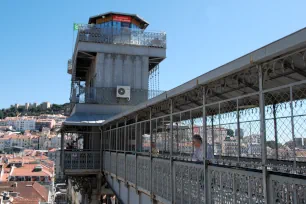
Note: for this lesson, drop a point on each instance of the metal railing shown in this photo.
(253, 132)
(126, 36)
(75, 159)
(224, 184)
(108, 95)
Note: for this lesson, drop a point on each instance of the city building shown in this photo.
(45, 105)
(44, 123)
(55, 156)
(25, 123)
(23, 192)
(3, 122)
(21, 123)
(27, 106)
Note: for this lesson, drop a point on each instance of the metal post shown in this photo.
(101, 149)
(263, 135)
(275, 131)
(117, 137)
(292, 128)
(205, 161)
(62, 151)
(171, 151)
(192, 133)
(136, 120)
(125, 138)
(238, 131)
(151, 161)
(213, 137)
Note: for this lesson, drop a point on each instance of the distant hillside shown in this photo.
(35, 111)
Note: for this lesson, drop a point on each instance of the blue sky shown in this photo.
(36, 38)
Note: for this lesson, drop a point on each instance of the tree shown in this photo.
(272, 145)
(230, 132)
(1, 114)
(20, 109)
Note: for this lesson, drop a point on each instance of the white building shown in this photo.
(55, 156)
(22, 124)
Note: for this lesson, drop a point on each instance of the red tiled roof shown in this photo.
(30, 192)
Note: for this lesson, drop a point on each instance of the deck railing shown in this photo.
(76, 159)
(128, 36)
(224, 185)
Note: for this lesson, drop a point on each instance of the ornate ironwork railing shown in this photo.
(107, 95)
(82, 159)
(224, 185)
(127, 36)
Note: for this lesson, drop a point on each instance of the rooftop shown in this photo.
(29, 192)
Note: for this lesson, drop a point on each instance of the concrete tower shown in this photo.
(111, 63)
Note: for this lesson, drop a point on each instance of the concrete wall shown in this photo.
(114, 70)
(128, 194)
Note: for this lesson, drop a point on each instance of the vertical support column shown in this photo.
(117, 138)
(292, 128)
(220, 135)
(151, 160)
(136, 121)
(62, 150)
(110, 148)
(205, 161)
(192, 133)
(171, 152)
(213, 138)
(238, 131)
(101, 148)
(275, 131)
(124, 148)
(263, 135)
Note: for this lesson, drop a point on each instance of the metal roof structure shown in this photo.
(290, 43)
(146, 23)
(86, 119)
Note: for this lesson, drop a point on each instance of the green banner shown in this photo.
(75, 26)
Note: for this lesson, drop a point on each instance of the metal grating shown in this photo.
(143, 172)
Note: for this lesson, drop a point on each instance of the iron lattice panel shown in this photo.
(287, 190)
(106, 156)
(131, 168)
(97, 160)
(68, 160)
(121, 165)
(82, 160)
(189, 183)
(143, 172)
(90, 160)
(113, 162)
(234, 186)
(161, 178)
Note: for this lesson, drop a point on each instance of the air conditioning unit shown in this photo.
(124, 92)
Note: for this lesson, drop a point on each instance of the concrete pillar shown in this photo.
(145, 72)
(118, 71)
(137, 73)
(108, 71)
(99, 68)
(96, 193)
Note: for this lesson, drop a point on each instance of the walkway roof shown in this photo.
(292, 42)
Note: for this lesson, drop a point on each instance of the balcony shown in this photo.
(126, 36)
(85, 160)
(107, 95)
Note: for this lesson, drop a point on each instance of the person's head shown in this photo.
(197, 141)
